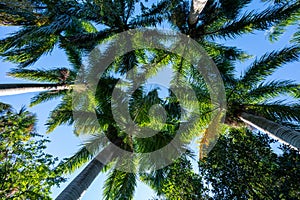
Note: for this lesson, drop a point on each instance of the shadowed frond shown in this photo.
(47, 96)
(62, 114)
(28, 53)
(152, 16)
(57, 75)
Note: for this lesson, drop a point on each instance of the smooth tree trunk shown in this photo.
(196, 8)
(282, 133)
(76, 189)
(21, 88)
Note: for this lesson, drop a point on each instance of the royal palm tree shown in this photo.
(119, 184)
(254, 102)
(226, 20)
(61, 28)
(21, 88)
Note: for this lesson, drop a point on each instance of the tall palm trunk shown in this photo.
(20, 88)
(282, 133)
(196, 9)
(75, 190)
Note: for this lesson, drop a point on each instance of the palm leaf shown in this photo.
(278, 111)
(119, 185)
(62, 114)
(267, 64)
(271, 90)
(41, 75)
(254, 21)
(47, 96)
(69, 165)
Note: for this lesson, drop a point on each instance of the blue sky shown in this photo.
(64, 143)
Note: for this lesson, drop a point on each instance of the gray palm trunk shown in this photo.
(196, 9)
(21, 88)
(76, 189)
(282, 133)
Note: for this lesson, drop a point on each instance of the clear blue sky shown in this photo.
(64, 143)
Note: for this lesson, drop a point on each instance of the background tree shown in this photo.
(242, 165)
(26, 171)
(177, 181)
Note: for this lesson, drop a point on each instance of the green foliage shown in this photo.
(18, 13)
(62, 114)
(268, 63)
(177, 181)
(26, 171)
(119, 185)
(253, 94)
(58, 75)
(78, 26)
(242, 165)
(279, 28)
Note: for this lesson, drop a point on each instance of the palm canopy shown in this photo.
(83, 25)
(140, 104)
(72, 24)
(228, 19)
(277, 101)
(72, 28)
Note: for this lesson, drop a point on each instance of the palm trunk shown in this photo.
(196, 9)
(282, 133)
(75, 190)
(20, 88)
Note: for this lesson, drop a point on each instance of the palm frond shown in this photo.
(231, 8)
(52, 76)
(74, 56)
(119, 185)
(30, 53)
(155, 179)
(62, 114)
(267, 64)
(69, 165)
(279, 28)
(47, 96)
(270, 90)
(277, 111)
(19, 14)
(296, 36)
(151, 16)
(254, 21)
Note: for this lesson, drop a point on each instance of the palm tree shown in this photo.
(195, 10)
(225, 20)
(252, 100)
(71, 28)
(21, 88)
